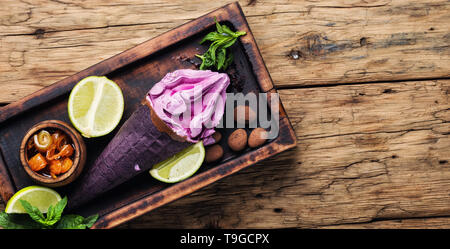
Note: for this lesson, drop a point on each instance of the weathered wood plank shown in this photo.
(371, 151)
(414, 223)
(302, 42)
(376, 151)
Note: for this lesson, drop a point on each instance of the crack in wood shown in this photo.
(40, 31)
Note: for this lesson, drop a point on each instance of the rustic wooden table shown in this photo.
(364, 82)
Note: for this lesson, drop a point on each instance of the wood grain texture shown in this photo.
(302, 42)
(369, 155)
(365, 152)
(415, 223)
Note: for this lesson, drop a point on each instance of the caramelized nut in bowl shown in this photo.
(53, 153)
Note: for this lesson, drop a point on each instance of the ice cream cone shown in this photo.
(140, 143)
(152, 133)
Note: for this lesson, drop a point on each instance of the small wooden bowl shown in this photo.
(79, 154)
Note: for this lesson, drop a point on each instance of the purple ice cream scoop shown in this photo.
(190, 102)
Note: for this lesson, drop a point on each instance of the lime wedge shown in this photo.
(37, 196)
(95, 106)
(180, 166)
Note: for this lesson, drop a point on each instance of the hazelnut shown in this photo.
(257, 137)
(238, 140)
(217, 136)
(213, 153)
(244, 114)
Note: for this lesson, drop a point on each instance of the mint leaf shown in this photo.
(218, 26)
(89, 221)
(228, 31)
(212, 36)
(33, 212)
(228, 43)
(54, 213)
(206, 61)
(50, 214)
(72, 221)
(59, 208)
(17, 221)
(221, 58)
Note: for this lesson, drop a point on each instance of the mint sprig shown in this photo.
(53, 219)
(73, 221)
(216, 55)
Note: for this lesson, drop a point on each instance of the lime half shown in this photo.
(95, 106)
(180, 166)
(37, 196)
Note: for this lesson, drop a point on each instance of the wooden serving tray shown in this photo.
(135, 71)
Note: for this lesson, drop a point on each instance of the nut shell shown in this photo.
(213, 153)
(238, 140)
(217, 136)
(257, 137)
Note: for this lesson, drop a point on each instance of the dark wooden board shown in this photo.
(136, 70)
